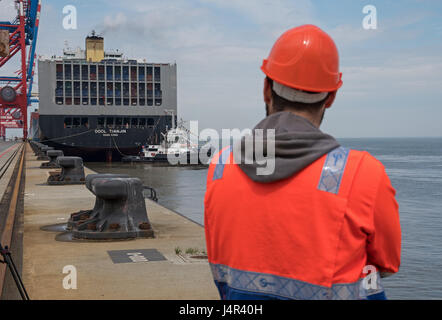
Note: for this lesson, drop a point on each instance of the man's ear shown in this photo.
(331, 98)
(267, 92)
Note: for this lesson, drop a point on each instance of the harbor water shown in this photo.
(415, 168)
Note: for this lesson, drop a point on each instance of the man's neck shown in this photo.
(314, 120)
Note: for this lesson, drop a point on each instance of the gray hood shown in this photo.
(298, 143)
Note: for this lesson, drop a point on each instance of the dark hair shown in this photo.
(281, 104)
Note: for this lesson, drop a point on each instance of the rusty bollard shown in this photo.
(122, 214)
(42, 154)
(52, 155)
(72, 172)
(84, 215)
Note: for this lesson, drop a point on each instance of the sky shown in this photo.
(392, 75)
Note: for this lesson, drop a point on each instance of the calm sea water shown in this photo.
(415, 169)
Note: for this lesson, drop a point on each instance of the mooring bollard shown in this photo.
(52, 155)
(34, 145)
(85, 215)
(72, 172)
(123, 213)
(42, 155)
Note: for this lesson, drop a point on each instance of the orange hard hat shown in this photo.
(305, 58)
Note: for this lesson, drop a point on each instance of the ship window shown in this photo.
(150, 122)
(110, 122)
(77, 101)
(84, 72)
(157, 74)
(85, 101)
(101, 101)
(149, 73)
(133, 90)
(59, 89)
(126, 90)
(149, 90)
(76, 89)
(94, 101)
(100, 72)
(85, 89)
(59, 100)
(158, 92)
(118, 122)
(59, 70)
(85, 122)
(158, 102)
(109, 101)
(76, 72)
(118, 102)
(134, 101)
(141, 72)
(126, 102)
(126, 123)
(100, 122)
(68, 71)
(109, 73)
(68, 89)
(142, 90)
(68, 101)
(125, 73)
(101, 89)
(76, 122)
(134, 122)
(142, 102)
(93, 89)
(118, 90)
(133, 73)
(67, 123)
(150, 102)
(118, 73)
(93, 72)
(142, 122)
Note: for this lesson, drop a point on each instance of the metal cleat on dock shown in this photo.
(84, 215)
(72, 172)
(52, 155)
(35, 146)
(123, 213)
(42, 154)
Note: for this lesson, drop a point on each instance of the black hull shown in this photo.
(97, 144)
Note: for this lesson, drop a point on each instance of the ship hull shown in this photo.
(95, 143)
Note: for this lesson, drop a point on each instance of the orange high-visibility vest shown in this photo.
(310, 236)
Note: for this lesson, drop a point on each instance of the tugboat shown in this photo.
(176, 145)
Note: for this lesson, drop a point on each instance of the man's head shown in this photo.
(302, 73)
(312, 107)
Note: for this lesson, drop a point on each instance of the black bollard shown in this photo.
(123, 213)
(72, 172)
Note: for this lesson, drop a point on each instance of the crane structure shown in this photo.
(18, 37)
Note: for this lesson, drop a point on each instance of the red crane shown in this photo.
(18, 37)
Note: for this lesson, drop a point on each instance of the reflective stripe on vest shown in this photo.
(333, 170)
(277, 286)
(222, 160)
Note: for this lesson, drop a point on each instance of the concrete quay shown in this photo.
(102, 273)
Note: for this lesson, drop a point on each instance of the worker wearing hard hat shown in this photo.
(325, 223)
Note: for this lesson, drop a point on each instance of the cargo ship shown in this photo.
(102, 106)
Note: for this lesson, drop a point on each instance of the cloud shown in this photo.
(275, 16)
(405, 75)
